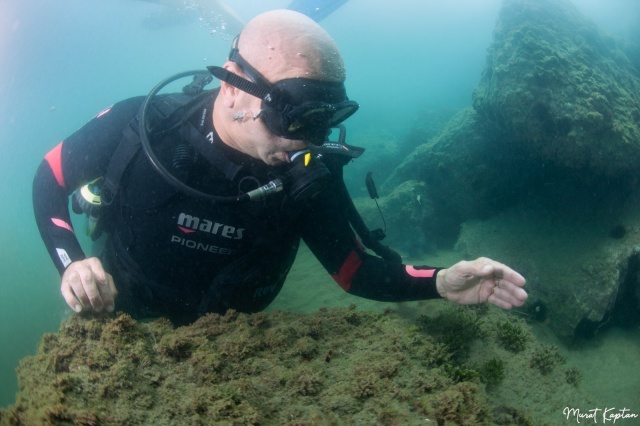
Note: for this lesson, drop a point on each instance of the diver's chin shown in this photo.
(277, 159)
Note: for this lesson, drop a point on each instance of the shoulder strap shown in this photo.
(170, 113)
(126, 150)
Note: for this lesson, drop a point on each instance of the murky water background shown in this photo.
(62, 62)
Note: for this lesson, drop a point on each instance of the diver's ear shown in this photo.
(228, 92)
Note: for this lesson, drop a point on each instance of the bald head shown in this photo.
(285, 44)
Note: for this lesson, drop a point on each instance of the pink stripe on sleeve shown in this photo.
(104, 111)
(54, 158)
(420, 273)
(62, 224)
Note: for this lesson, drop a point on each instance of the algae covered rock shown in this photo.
(560, 89)
(462, 175)
(557, 111)
(554, 137)
(338, 366)
(233, 369)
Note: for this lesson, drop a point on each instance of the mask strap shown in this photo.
(247, 86)
(247, 68)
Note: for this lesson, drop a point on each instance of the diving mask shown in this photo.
(293, 108)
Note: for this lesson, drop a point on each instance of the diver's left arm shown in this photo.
(331, 239)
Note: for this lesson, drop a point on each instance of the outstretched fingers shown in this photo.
(503, 284)
(507, 294)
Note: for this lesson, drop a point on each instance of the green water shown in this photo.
(62, 62)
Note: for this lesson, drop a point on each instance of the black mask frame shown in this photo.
(293, 108)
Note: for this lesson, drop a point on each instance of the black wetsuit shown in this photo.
(181, 255)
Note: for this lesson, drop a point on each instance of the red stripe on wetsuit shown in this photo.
(54, 158)
(348, 270)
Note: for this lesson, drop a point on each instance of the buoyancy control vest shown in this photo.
(161, 114)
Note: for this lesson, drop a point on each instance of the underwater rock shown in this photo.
(560, 89)
(526, 132)
(338, 366)
(577, 275)
(384, 150)
(432, 165)
(554, 132)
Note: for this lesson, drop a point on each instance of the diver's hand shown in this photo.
(86, 285)
(482, 280)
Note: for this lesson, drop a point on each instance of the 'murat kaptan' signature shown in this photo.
(605, 414)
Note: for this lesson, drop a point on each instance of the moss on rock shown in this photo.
(338, 366)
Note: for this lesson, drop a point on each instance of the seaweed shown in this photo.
(233, 368)
(461, 404)
(545, 358)
(492, 372)
(456, 327)
(336, 366)
(573, 376)
(512, 335)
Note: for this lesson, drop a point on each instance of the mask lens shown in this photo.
(310, 117)
(312, 120)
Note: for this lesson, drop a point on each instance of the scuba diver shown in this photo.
(205, 195)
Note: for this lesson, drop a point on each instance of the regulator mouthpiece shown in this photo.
(303, 154)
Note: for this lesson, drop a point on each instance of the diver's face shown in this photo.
(255, 139)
